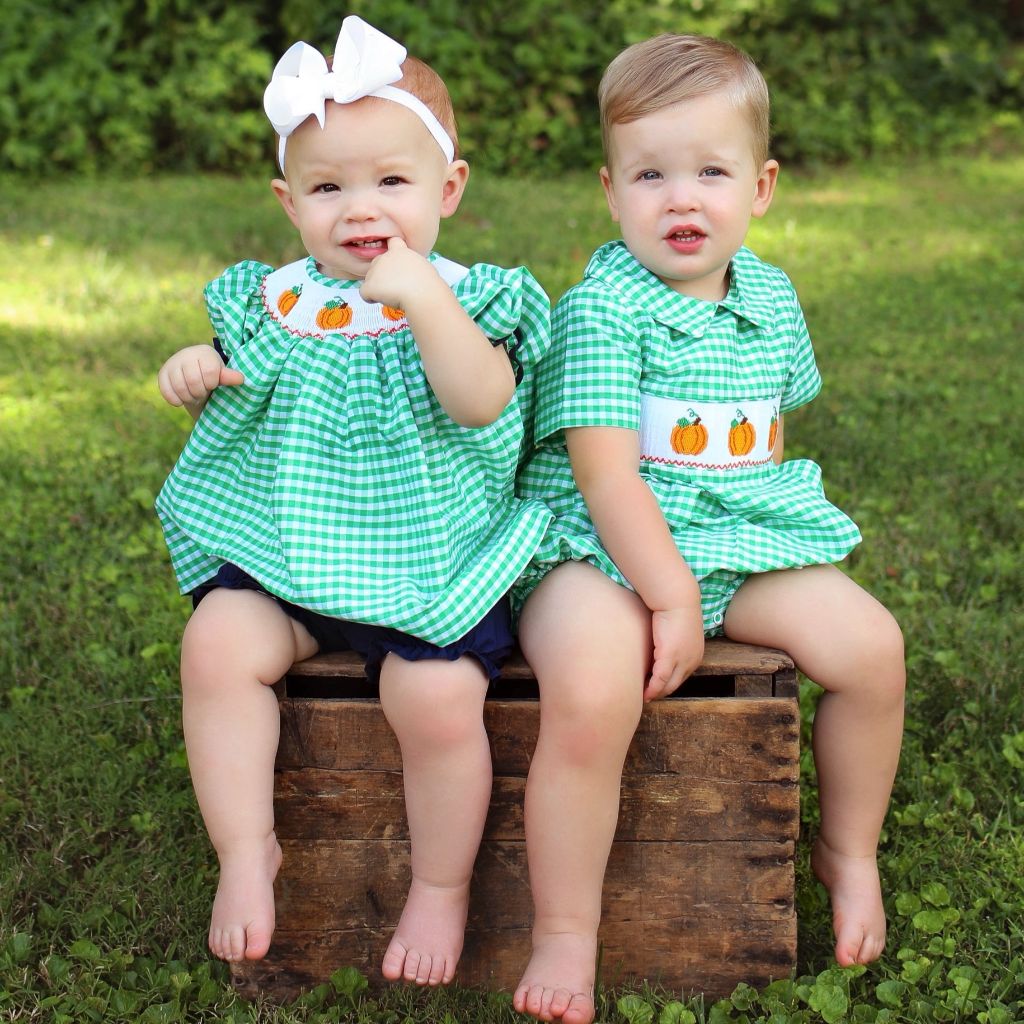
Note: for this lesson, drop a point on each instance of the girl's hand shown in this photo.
(189, 376)
(471, 378)
(678, 635)
(399, 276)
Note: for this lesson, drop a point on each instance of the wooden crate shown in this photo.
(699, 889)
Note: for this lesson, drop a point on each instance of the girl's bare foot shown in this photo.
(427, 943)
(243, 909)
(559, 980)
(858, 917)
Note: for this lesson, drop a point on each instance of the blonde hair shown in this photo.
(668, 69)
(423, 82)
(419, 79)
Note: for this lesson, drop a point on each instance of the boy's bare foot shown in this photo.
(559, 980)
(243, 909)
(428, 940)
(858, 917)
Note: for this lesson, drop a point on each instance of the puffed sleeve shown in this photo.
(591, 378)
(235, 305)
(512, 309)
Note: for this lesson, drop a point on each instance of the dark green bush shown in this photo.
(130, 85)
(851, 78)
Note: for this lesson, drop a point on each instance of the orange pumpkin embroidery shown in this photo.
(393, 313)
(287, 299)
(773, 430)
(741, 435)
(336, 313)
(689, 437)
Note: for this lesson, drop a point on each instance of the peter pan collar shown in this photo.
(307, 303)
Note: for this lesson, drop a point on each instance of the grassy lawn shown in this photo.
(912, 277)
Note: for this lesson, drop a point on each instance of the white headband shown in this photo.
(366, 62)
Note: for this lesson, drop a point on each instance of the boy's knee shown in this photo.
(884, 660)
(592, 715)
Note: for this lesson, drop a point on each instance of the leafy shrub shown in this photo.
(850, 79)
(131, 85)
(127, 85)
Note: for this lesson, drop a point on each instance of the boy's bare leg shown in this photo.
(436, 711)
(589, 642)
(845, 641)
(236, 645)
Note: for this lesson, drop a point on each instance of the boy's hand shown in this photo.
(398, 276)
(188, 377)
(678, 635)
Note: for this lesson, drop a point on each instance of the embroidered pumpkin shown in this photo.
(773, 430)
(287, 299)
(336, 313)
(741, 435)
(689, 437)
(393, 313)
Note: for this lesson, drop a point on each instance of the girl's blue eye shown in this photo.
(649, 175)
(712, 172)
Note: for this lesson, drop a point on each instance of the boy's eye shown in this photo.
(391, 180)
(326, 187)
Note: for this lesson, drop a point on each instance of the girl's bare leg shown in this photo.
(436, 711)
(236, 645)
(845, 641)
(589, 642)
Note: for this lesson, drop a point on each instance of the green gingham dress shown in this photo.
(703, 383)
(334, 477)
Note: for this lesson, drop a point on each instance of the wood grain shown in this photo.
(699, 890)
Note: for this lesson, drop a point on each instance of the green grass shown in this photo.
(912, 281)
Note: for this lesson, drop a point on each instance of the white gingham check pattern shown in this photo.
(622, 332)
(333, 476)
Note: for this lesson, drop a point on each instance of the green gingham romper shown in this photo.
(333, 476)
(703, 383)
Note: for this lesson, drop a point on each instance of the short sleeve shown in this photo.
(592, 376)
(804, 380)
(235, 305)
(511, 308)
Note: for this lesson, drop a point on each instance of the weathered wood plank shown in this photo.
(698, 894)
(754, 685)
(734, 739)
(350, 884)
(312, 804)
(787, 684)
(721, 657)
(693, 951)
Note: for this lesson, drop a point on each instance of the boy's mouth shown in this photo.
(685, 234)
(685, 239)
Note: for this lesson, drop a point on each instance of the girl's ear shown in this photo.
(764, 187)
(284, 197)
(609, 193)
(453, 186)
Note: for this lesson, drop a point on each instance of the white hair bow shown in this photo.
(366, 62)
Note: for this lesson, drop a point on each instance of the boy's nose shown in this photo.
(683, 197)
